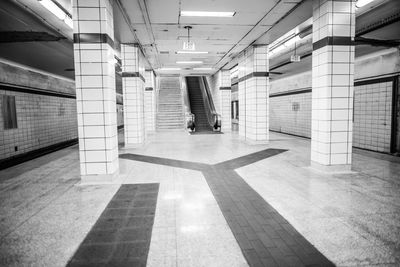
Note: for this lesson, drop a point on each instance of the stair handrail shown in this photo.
(214, 119)
(189, 116)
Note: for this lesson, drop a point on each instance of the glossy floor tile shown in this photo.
(352, 219)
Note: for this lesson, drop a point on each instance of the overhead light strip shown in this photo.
(202, 68)
(207, 14)
(169, 69)
(191, 52)
(361, 3)
(58, 11)
(189, 62)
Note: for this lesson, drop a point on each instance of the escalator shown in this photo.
(202, 106)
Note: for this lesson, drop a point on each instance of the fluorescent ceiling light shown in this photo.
(189, 62)
(191, 52)
(361, 3)
(53, 8)
(206, 14)
(169, 69)
(69, 22)
(57, 11)
(202, 68)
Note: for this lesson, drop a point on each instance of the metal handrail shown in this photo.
(214, 119)
(189, 116)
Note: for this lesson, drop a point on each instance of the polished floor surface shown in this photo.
(214, 200)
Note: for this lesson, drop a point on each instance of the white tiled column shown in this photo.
(149, 102)
(133, 93)
(254, 94)
(225, 100)
(332, 84)
(95, 90)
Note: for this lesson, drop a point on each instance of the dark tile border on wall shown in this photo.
(254, 74)
(292, 92)
(333, 40)
(93, 38)
(32, 90)
(132, 75)
(15, 160)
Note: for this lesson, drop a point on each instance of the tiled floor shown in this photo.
(352, 219)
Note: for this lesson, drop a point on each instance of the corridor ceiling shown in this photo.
(159, 29)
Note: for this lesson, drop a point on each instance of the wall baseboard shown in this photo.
(15, 160)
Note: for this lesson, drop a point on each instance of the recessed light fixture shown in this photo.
(207, 14)
(189, 62)
(361, 3)
(58, 11)
(202, 68)
(167, 69)
(191, 52)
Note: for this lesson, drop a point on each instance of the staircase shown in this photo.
(170, 111)
(197, 104)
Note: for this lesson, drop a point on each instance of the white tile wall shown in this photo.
(283, 117)
(95, 90)
(332, 83)
(42, 121)
(149, 102)
(222, 98)
(372, 116)
(253, 95)
(133, 94)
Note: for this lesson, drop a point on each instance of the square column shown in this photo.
(95, 90)
(225, 100)
(254, 94)
(133, 94)
(150, 102)
(332, 84)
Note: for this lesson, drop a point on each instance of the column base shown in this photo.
(341, 168)
(255, 142)
(100, 179)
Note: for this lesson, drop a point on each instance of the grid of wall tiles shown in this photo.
(253, 94)
(225, 100)
(42, 121)
(291, 114)
(95, 89)
(133, 86)
(373, 116)
(332, 82)
(371, 121)
(150, 102)
(219, 84)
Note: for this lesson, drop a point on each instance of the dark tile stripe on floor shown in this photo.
(121, 236)
(264, 236)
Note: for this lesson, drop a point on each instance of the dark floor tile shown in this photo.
(109, 223)
(252, 258)
(120, 203)
(243, 242)
(115, 213)
(264, 236)
(142, 211)
(102, 236)
(121, 236)
(145, 203)
(94, 253)
(139, 221)
(135, 234)
(129, 251)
